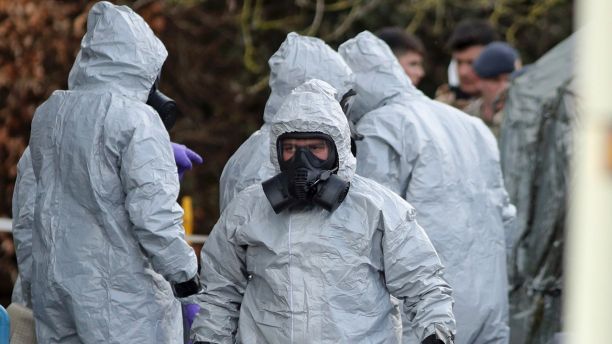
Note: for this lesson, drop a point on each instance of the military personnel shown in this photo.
(494, 67)
(467, 41)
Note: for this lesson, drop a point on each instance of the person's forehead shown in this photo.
(470, 52)
(410, 55)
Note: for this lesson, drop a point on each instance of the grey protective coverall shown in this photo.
(311, 276)
(298, 59)
(446, 164)
(106, 223)
(24, 196)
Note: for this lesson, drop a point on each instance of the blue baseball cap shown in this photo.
(495, 59)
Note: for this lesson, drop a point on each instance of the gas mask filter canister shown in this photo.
(165, 106)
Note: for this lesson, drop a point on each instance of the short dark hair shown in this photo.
(401, 41)
(470, 32)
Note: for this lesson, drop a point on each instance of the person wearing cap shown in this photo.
(494, 66)
(466, 43)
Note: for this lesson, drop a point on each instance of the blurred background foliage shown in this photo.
(217, 66)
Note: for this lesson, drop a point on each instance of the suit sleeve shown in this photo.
(150, 181)
(224, 281)
(413, 273)
(24, 197)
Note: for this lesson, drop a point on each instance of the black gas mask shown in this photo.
(346, 103)
(164, 105)
(305, 179)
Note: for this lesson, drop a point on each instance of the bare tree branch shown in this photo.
(318, 18)
(355, 13)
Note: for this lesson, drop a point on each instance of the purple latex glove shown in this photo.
(189, 313)
(185, 158)
(191, 310)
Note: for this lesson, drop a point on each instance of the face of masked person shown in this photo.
(308, 163)
(304, 160)
(318, 147)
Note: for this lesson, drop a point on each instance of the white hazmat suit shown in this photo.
(446, 164)
(298, 59)
(107, 226)
(310, 276)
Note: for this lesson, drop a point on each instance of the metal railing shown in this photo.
(6, 227)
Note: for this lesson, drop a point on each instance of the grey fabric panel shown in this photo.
(540, 117)
(24, 196)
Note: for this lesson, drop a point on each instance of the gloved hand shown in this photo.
(190, 311)
(185, 158)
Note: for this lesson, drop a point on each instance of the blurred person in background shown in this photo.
(313, 254)
(446, 164)
(494, 66)
(298, 59)
(466, 42)
(107, 248)
(408, 49)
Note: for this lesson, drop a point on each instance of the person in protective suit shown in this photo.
(298, 59)
(24, 196)
(108, 248)
(313, 254)
(446, 164)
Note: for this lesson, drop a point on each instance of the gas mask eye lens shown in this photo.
(319, 148)
(288, 150)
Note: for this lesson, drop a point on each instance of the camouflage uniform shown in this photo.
(494, 123)
(448, 95)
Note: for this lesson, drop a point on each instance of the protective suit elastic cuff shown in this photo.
(187, 288)
(439, 334)
(432, 339)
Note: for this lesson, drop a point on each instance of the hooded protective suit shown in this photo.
(24, 196)
(446, 164)
(311, 276)
(298, 59)
(106, 223)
